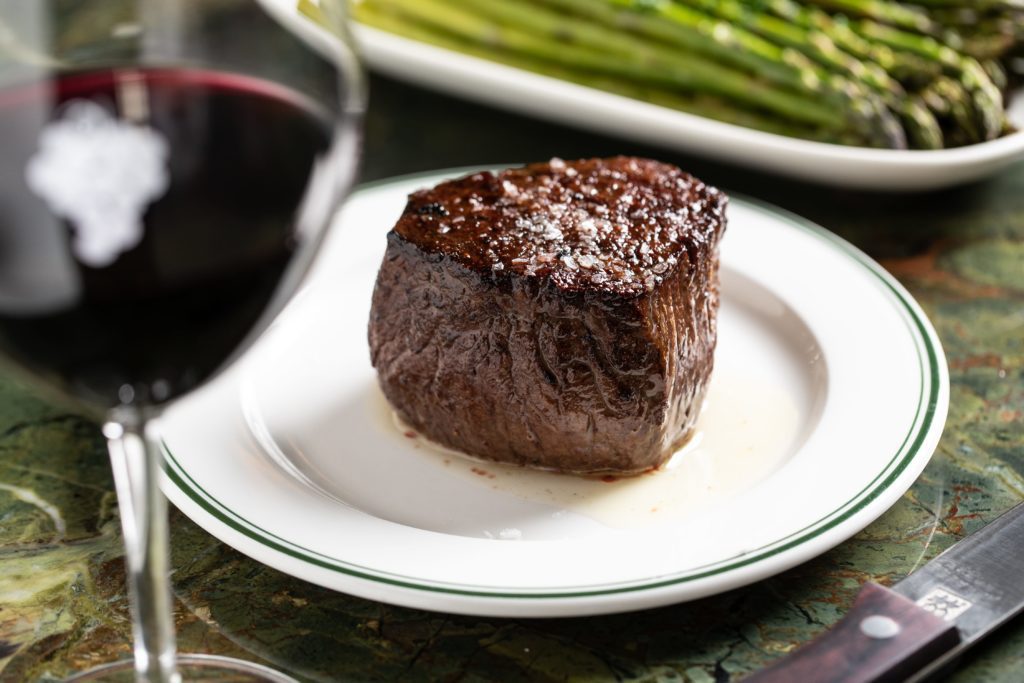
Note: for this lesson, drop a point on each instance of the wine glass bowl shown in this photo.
(169, 170)
(219, 175)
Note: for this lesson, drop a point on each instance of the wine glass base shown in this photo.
(193, 669)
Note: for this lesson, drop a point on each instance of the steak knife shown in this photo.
(923, 623)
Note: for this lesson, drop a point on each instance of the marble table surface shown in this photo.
(960, 252)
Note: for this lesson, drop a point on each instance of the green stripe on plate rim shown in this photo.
(930, 379)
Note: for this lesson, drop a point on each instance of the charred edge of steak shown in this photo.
(542, 366)
(615, 225)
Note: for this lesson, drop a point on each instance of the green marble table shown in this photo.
(961, 253)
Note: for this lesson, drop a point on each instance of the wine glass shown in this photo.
(168, 170)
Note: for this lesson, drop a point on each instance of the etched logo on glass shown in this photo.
(100, 174)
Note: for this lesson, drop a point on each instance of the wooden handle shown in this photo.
(884, 637)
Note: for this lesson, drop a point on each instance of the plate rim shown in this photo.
(926, 426)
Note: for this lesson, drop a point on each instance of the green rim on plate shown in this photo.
(930, 383)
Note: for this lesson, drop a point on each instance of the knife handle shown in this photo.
(884, 637)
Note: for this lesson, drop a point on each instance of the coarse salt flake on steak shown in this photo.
(559, 316)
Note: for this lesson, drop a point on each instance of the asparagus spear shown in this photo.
(946, 96)
(905, 68)
(682, 27)
(673, 66)
(997, 73)
(920, 124)
(815, 44)
(976, 4)
(707, 106)
(985, 34)
(984, 46)
(985, 96)
(311, 10)
(923, 129)
(769, 64)
(912, 70)
(673, 69)
(903, 16)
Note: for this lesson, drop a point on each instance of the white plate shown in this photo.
(577, 105)
(829, 396)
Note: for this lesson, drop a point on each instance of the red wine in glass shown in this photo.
(239, 155)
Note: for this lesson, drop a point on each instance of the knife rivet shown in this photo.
(877, 626)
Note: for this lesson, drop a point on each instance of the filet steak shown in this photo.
(558, 316)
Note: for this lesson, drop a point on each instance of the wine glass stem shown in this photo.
(136, 464)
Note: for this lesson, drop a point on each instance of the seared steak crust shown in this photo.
(560, 315)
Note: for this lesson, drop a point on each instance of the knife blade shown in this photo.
(923, 623)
